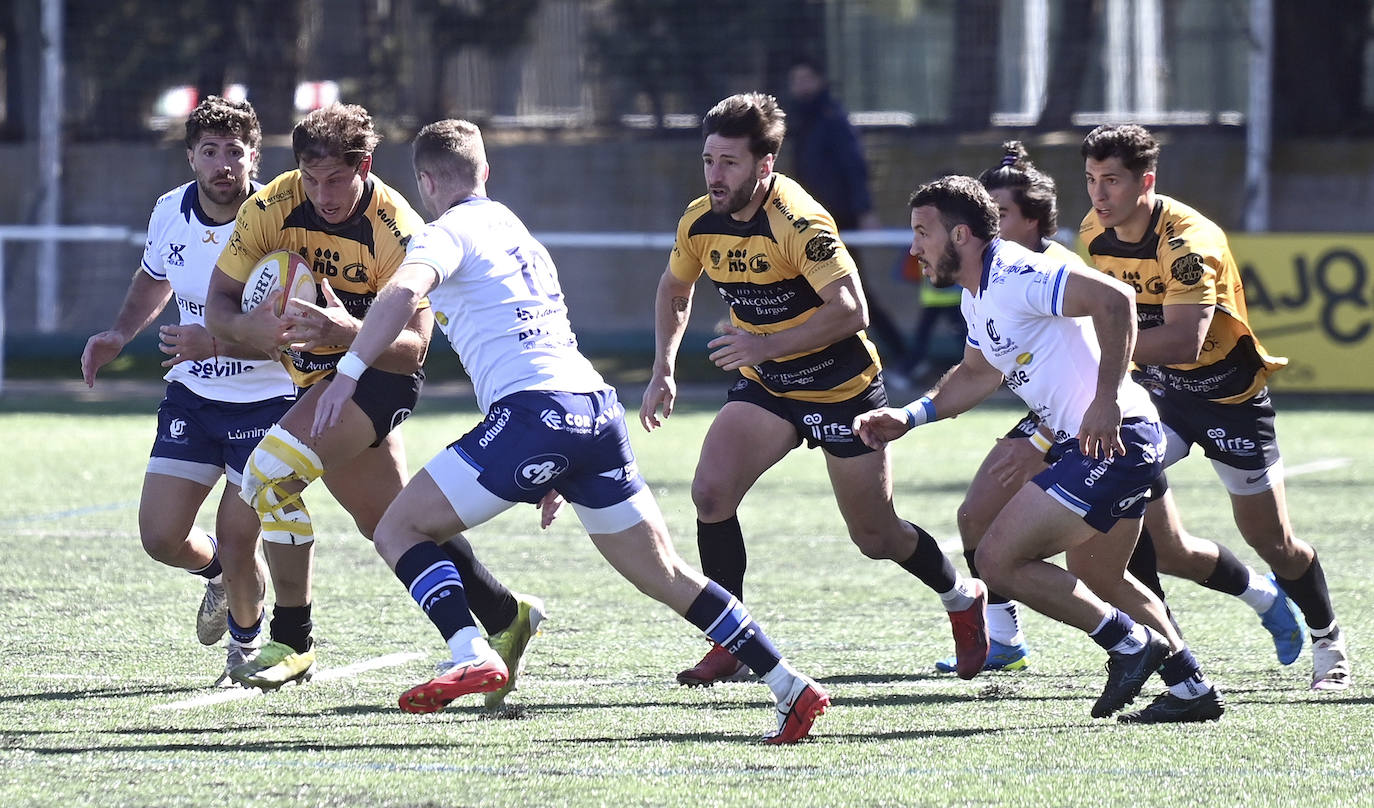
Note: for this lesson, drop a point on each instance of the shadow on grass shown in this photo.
(98, 693)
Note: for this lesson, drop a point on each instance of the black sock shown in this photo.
(723, 560)
(1144, 565)
(930, 564)
(993, 597)
(1230, 576)
(291, 625)
(1310, 594)
(489, 599)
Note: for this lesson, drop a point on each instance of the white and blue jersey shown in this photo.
(183, 246)
(552, 422)
(1016, 319)
(499, 303)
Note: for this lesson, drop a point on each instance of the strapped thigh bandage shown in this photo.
(279, 458)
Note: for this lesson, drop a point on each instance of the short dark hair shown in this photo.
(220, 116)
(450, 150)
(1031, 189)
(1131, 143)
(343, 131)
(756, 116)
(960, 200)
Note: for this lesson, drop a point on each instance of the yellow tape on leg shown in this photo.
(281, 458)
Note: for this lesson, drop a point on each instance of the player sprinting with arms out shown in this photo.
(1060, 336)
(552, 424)
(221, 397)
(806, 368)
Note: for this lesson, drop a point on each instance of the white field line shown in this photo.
(1317, 465)
(240, 693)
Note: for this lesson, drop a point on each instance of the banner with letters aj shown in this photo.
(1311, 299)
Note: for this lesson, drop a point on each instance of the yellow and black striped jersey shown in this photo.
(769, 270)
(1185, 259)
(356, 257)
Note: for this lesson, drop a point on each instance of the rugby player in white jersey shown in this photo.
(1061, 337)
(1027, 206)
(552, 425)
(221, 397)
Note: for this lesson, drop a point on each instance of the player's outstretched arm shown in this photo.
(672, 309)
(142, 303)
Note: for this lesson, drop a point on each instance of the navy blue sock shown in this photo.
(1184, 676)
(725, 620)
(244, 634)
(213, 568)
(1179, 667)
(1116, 629)
(929, 564)
(292, 625)
(434, 583)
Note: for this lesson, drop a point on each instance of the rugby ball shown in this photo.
(282, 270)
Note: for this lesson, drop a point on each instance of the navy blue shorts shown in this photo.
(194, 431)
(534, 441)
(1104, 491)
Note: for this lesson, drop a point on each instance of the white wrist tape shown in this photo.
(1040, 441)
(920, 411)
(351, 365)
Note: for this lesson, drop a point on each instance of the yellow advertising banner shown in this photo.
(1311, 299)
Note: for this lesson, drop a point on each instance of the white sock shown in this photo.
(1324, 633)
(960, 597)
(467, 645)
(1004, 623)
(1135, 642)
(780, 679)
(1260, 593)
(1192, 687)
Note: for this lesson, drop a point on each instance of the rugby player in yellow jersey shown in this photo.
(806, 368)
(352, 229)
(1205, 366)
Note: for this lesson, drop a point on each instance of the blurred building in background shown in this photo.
(592, 108)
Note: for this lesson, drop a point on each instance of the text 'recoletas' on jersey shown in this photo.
(769, 271)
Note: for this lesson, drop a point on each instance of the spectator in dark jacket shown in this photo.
(829, 163)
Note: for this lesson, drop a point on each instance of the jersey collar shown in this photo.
(989, 252)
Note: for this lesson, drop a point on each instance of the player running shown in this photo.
(552, 424)
(1044, 327)
(221, 396)
(352, 229)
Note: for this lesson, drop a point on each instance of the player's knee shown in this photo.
(276, 473)
(996, 567)
(712, 502)
(972, 524)
(162, 547)
(875, 545)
